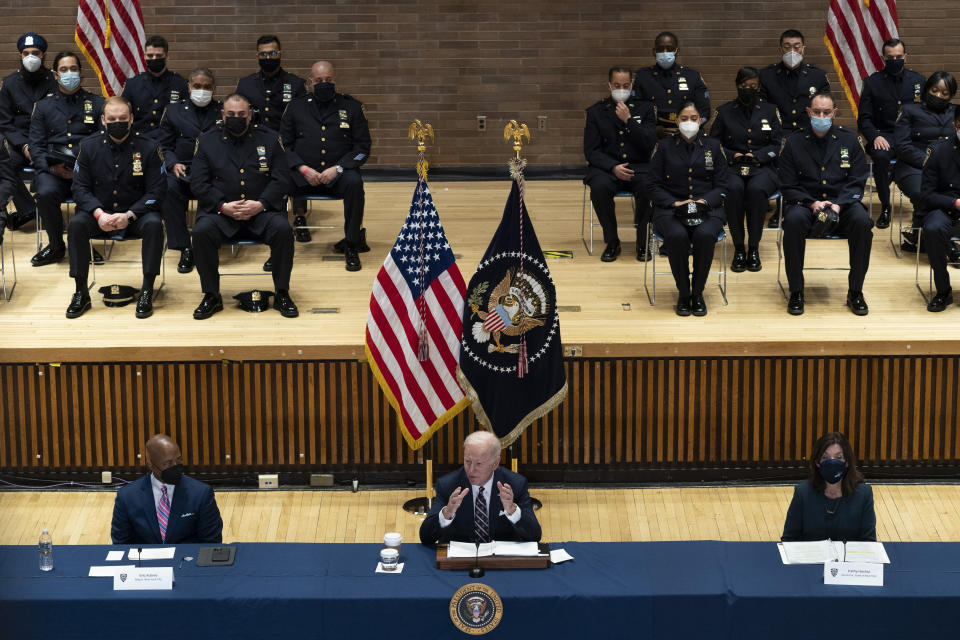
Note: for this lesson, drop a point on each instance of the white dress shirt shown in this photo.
(487, 489)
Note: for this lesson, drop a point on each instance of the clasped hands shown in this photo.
(241, 209)
(112, 221)
(316, 178)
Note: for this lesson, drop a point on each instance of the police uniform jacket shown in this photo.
(940, 185)
(269, 96)
(227, 168)
(182, 124)
(63, 120)
(832, 168)
(669, 89)
(150, 95)
(790, 91)
(917, 128)
(323, 135)
(748, 129)
(118, 177)
(18, 95)
(680, 170)
(609, 141)
(881, 98)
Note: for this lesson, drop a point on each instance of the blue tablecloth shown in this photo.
(611, 590)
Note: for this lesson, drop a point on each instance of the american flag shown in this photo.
(110, 34)
(856, 31)
(414, 324)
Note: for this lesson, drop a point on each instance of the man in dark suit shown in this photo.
(165, 506)
(481, 502)
(669, 85)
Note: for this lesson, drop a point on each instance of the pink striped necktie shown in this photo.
(163, 513)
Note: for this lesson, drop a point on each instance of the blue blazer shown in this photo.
(194, 516)
(461, 529)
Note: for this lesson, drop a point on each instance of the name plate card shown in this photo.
(860, 574)
(144, 579)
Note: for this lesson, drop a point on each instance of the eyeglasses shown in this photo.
(268, 54)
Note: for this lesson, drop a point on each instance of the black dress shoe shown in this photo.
(739, 264)
(17, 219)
(753, 261)
(940, 301)
(299, 231)
(79, 304)
(211, 303)
(774, 220)
(284, 304)
(953, 255)
(362, 246)
(352, 259)
(145, 304)
(48, 255)
(611, 252)
(909, 243)
(643, 255)
(186, 261)
(268, 265)
(97, 257)
(683, 306)
(856, 303)
(884, 220)
(795, 305)
(698, 305)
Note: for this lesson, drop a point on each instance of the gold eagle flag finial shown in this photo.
(420, 132)
(517, 132)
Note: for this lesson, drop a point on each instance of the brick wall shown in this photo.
(447, 61)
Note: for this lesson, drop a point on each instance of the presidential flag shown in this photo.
(511, 358)
(856, 31)
(110, 34)
(413, 328)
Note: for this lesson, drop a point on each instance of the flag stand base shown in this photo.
(418, 506)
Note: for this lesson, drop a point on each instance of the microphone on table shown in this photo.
(476, 571)
(139, 557)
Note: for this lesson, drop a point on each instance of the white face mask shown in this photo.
(792, 59)
(31, 63)
(620, 95)
(201, 97)
(689, 129)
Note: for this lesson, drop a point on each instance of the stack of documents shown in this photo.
(495, 548)
(823, 551)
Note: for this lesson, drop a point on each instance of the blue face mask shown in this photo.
(833, 470)
(821, 125)
(666, 59)
(70, 80)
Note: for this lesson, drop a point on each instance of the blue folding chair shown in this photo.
(591, 218)
(655, 240)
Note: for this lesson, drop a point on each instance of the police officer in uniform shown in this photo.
(151, 91)
(883, 93)
(118, 187)
(670, 85)
(182, 124)
(240, 177)
(327, 140)
(823, 169)
(20, 91)
(58, 125)
(940, 195)
(7, 179)
(619, 136)
(688, 177)
(749, 130)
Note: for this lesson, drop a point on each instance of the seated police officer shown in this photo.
(940, 197)
(617, 140)
(749, 130)
(7, 179)
(58, 125)
(883, 93)
(688, 177)
(118, 185)
(670, 85)
(19, 93)
(327, 140)
(240, 177)
(182, 124)
(822, 174)
(151, 91)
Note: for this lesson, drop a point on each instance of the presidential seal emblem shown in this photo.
(476, 609)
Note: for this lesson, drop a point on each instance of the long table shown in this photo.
(611, 590)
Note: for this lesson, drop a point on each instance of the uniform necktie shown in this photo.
(481, 526)
(163, 513)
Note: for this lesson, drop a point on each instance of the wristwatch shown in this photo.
(130, 218)
(339, 169)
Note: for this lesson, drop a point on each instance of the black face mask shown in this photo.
(156, 65)
(746, 96)
(269, 65)
(894, 67)
(324, 91)
(936, 103)
(172, 475)
(118, 130)
(235, 124)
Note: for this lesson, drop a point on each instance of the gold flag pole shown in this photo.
(419, 131)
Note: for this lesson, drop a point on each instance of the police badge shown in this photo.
(262, 159)
(813, 91)
(287, 92)
(343, 119)
(844, 158)
(87, 112)
(708, 159)
(137, 164)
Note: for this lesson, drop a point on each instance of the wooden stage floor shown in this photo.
(612, 317)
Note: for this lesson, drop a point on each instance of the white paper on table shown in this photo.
(506, 548)
(380, 568)
(559, 555)
(861, 574)
(107, 571)
(871, 552)
(496, 548)
(810, 552)
(144, 579)
(114, 556)
(164, 553)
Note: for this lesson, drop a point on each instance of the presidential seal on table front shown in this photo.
(476, 609)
